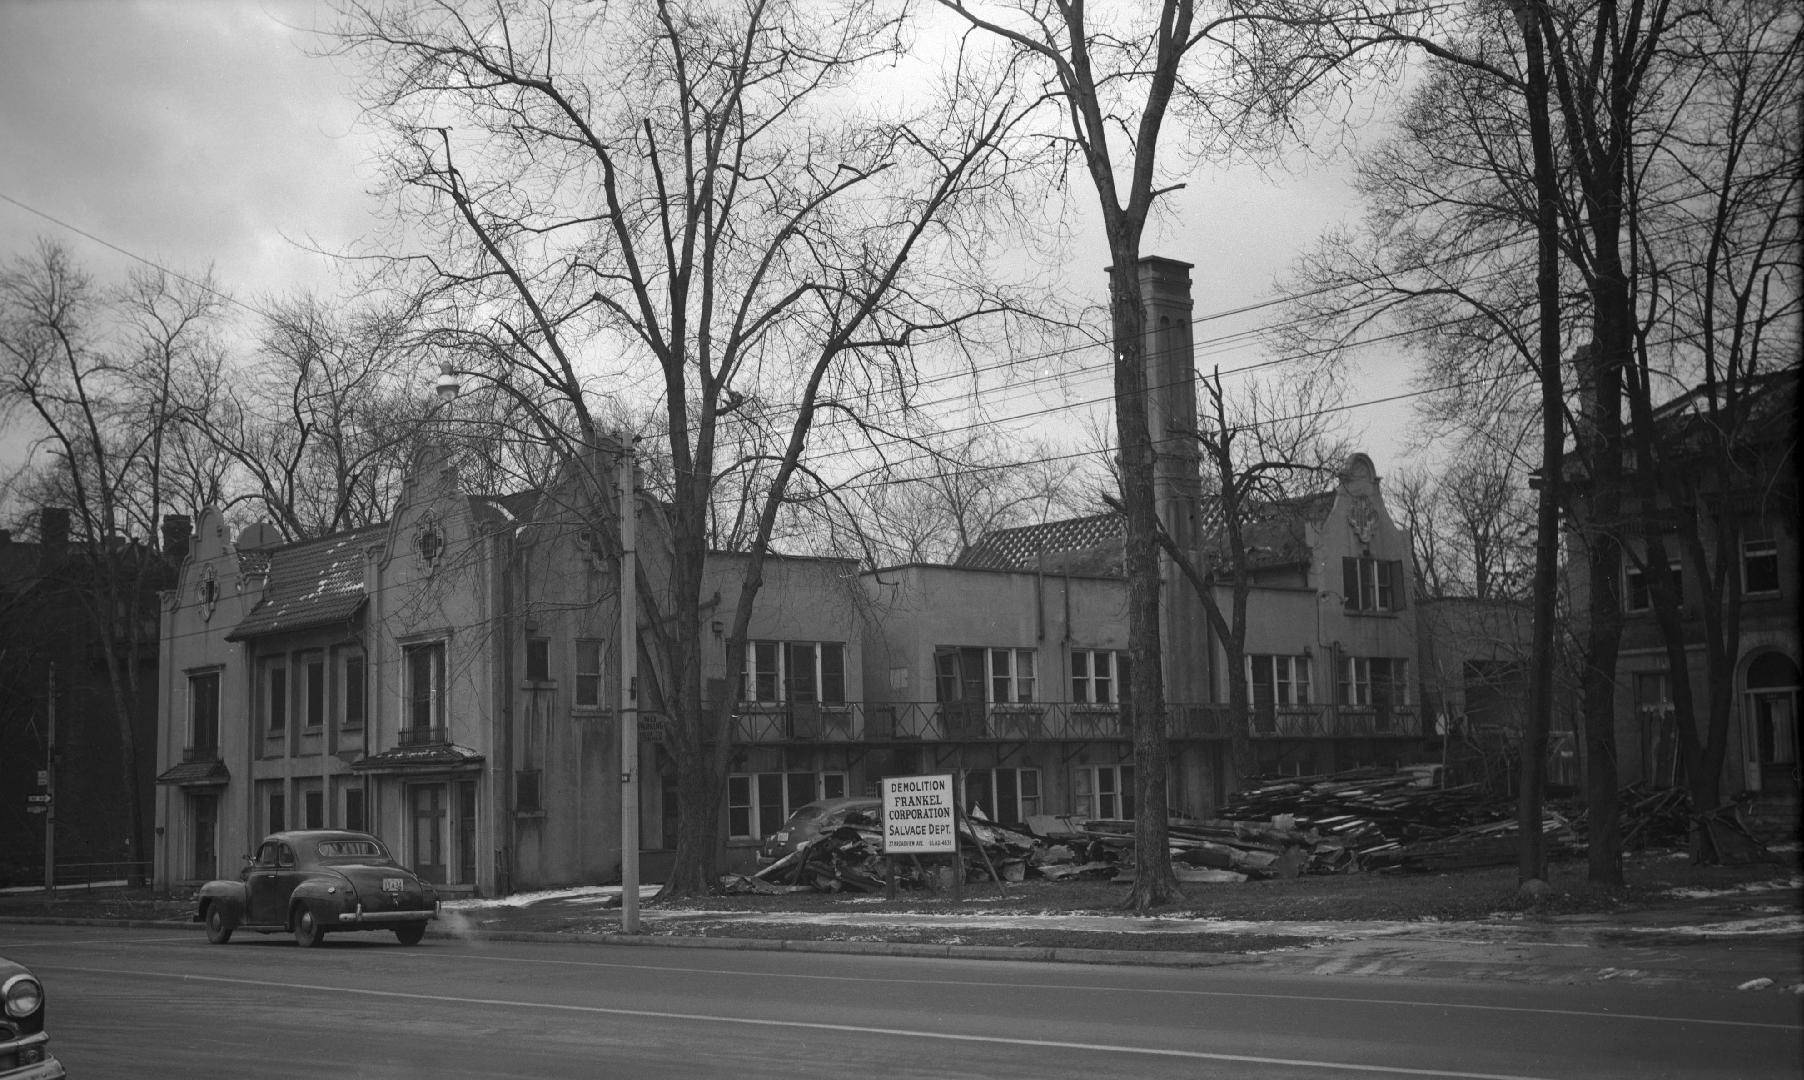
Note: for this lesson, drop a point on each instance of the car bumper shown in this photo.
(361, 917)
(47, 1069)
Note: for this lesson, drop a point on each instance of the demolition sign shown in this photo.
(918, 815)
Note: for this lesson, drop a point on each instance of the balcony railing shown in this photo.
(200, 752)
(961, 721)
(425, 736)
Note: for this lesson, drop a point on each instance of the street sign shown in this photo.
(43, 777)
(37, 798)
(36, 809)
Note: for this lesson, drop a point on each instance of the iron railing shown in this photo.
(425, 736)
(1052, 720)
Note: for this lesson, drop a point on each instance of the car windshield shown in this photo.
(804, 815)
(351, 849)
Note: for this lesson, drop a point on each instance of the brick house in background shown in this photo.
(48, 592)
(1760, 511)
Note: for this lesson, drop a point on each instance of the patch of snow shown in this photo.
(591, 894)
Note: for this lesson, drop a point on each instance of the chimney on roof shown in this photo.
(178, 530)
(53, 527)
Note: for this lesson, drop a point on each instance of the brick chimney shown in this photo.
(178, 530)
(1171, 419)
(53, 527)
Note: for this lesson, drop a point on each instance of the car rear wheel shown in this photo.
(308, 931)
(219, 928)
(410, 933)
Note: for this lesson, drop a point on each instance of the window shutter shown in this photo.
(1349, 582)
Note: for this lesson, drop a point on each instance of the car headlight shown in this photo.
(23, 996)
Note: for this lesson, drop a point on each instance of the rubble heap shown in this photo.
(1363, 819)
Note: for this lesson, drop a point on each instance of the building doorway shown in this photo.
(203, 816)
(1770, 719)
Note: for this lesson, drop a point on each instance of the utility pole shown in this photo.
(50, 790)
(629, 694)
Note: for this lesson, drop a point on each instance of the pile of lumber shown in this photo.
(1363, 819)
(1384, 819)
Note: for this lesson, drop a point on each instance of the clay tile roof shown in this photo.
(312, 583)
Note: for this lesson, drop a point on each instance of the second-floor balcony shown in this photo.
(962, 721)
(425, 736)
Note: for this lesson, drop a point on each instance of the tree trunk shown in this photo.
(1154, 883)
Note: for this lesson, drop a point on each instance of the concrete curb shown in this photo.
(1307, 962)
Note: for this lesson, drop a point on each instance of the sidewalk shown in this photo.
(1721, 941)
(1748, 939)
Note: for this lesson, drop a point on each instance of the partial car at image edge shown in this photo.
(24, 1043)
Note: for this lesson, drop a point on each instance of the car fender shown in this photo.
(329, 892)
(232, 897)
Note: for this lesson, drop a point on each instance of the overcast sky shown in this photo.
(200, 133)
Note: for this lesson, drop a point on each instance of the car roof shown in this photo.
(301, 836)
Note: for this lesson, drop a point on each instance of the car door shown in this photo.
(267, 903)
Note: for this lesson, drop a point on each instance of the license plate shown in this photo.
(393, 884)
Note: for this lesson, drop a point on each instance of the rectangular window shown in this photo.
(313, 674)
(1104, 792)
(1005, 796)
(1638, 586)
(759, 803)
(275, 696)
(1011, 675)
(1277, 680)
(425, 686)
(538, 660)
(354, 818)
(526, 791)
(588, 672)
(1369, 584)
(313, 805)
(1096, 676)
(794, 672)
(278, 811)
(203, 714)
(356, 700)
(1374, 681)
(1760, 566)
(762, 680)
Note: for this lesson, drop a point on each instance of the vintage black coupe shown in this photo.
(24, 1044)
(315, 881)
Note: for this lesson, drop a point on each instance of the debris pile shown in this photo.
(1363, 819)
(1381, 819)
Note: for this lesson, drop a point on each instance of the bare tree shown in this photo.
(1262, 447)
(96, 371)
(692, 205)
(1230, 76)
(318, 422)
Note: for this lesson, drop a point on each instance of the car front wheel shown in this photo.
(219, 928)
(411, 933)
(308, 931)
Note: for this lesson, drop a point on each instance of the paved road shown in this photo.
(137, 1003)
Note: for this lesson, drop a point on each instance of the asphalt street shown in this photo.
(161, 1002)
